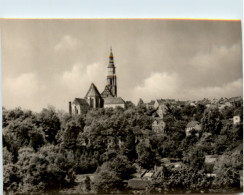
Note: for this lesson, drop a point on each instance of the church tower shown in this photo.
(111, 87)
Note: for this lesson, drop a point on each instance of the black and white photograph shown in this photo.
(122, 106)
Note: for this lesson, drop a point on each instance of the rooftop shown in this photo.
(80, 101)
(93, 92)
(113, 100)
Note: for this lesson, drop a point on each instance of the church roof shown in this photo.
(113, 100)
(93, 92)
(80, 101)
(107, 92)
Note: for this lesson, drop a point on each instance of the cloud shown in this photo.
(157, 85)
(23, 90)
(67, 42)
(218, 57)
(231, 89)
(169, 85)
(78, 80)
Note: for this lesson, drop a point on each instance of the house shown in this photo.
(161, 111)
(236, 119)
(150, 105)
(193, 125)
(159, 102)
(209, 164)
(236, 101)
(158, 126)
(193, 104)
(224, 105)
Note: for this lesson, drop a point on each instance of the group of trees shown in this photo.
(46, 150)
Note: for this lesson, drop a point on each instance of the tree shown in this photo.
(47, 169)
(146, 156)
(195, 158)
(11, 177)
(48, 120)
(71, 132)
(107, 182)
(88, 183)
(211, 121)
(110, 175)
(227, 169)
(199, 112)
(129, 104)
(7, 156)
(129, 148)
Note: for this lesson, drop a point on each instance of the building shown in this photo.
(150, 105)
(236, 101)
(158, 126)
(158, 103)
(193, 125)
(209, 163)
(236, 119)
(93, 98)
(161, 111)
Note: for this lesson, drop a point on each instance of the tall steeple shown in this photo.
(111, 58)
(111, 87)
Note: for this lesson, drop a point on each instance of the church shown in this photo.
(93, 98)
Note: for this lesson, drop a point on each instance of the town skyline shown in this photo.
(56, 60)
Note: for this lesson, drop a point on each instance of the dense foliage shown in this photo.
(47, 150)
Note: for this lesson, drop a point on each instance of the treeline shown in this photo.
(47, 150)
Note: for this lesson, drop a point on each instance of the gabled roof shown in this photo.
(161, 101)
(192, 124)
(93, 92)
(80, 101)
(107, 92)
(113, 100)
(151, 103)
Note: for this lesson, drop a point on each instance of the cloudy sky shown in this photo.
(50, 62)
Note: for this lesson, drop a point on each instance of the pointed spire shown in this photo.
(111, 58)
